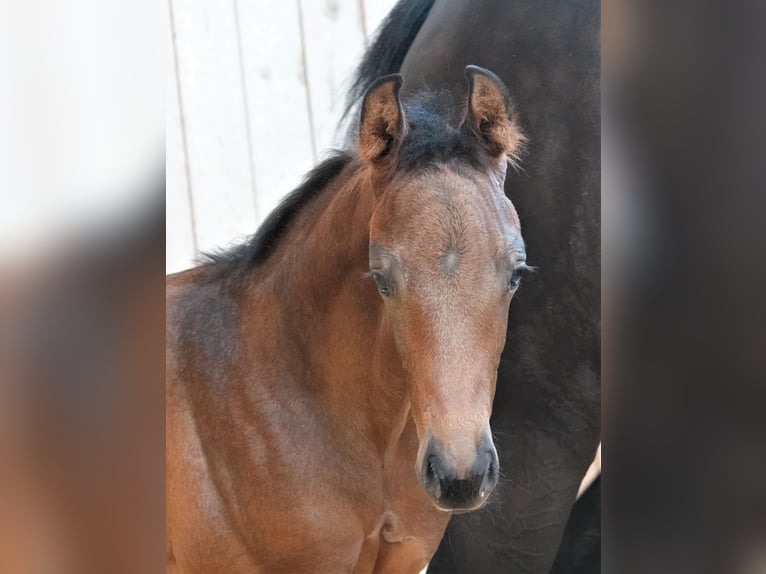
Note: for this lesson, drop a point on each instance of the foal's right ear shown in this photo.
(381, 127)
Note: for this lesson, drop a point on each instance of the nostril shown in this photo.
(490, 468)
(430, 472)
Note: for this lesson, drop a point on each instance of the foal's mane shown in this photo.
(256, 249)
(432, 139)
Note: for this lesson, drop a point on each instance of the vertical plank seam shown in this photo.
(363, 21)
(187, 169)
(304, 65)
(246, 103)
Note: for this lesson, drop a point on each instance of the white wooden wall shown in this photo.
(255, 91)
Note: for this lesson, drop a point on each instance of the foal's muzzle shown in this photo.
(459, 489)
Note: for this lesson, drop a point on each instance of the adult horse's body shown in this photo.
(330, 382)
(546, 415)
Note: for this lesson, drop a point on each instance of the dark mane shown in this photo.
(434, 135)
(259, 246)
(392, 41)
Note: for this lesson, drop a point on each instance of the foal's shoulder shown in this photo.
(201, 317)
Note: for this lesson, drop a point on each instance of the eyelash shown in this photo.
(518, 272)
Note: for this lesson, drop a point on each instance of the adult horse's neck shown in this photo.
(332, 313)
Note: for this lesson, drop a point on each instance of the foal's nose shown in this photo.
(454, 488)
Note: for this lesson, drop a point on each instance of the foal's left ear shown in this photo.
(381, 127)
(490, 117)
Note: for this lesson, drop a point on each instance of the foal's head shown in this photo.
(446, 255)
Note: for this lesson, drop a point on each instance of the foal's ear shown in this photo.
(382, 127)
(490, 117)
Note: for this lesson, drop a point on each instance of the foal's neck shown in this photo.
(321, 270)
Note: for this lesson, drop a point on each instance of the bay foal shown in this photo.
(330, 382)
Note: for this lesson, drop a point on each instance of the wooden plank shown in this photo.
(215, 120)
(374, 12)
(277, 98)
(180, 248)
(333, 42)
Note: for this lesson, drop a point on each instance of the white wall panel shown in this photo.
(277, 97)
(334, 42)
(180, 241)
(215, 120)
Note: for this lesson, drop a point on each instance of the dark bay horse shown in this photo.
(330, 382)
(546, 414)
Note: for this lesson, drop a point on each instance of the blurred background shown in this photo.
(255, 91)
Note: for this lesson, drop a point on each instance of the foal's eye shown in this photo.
(380, 281)
(515, 279)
